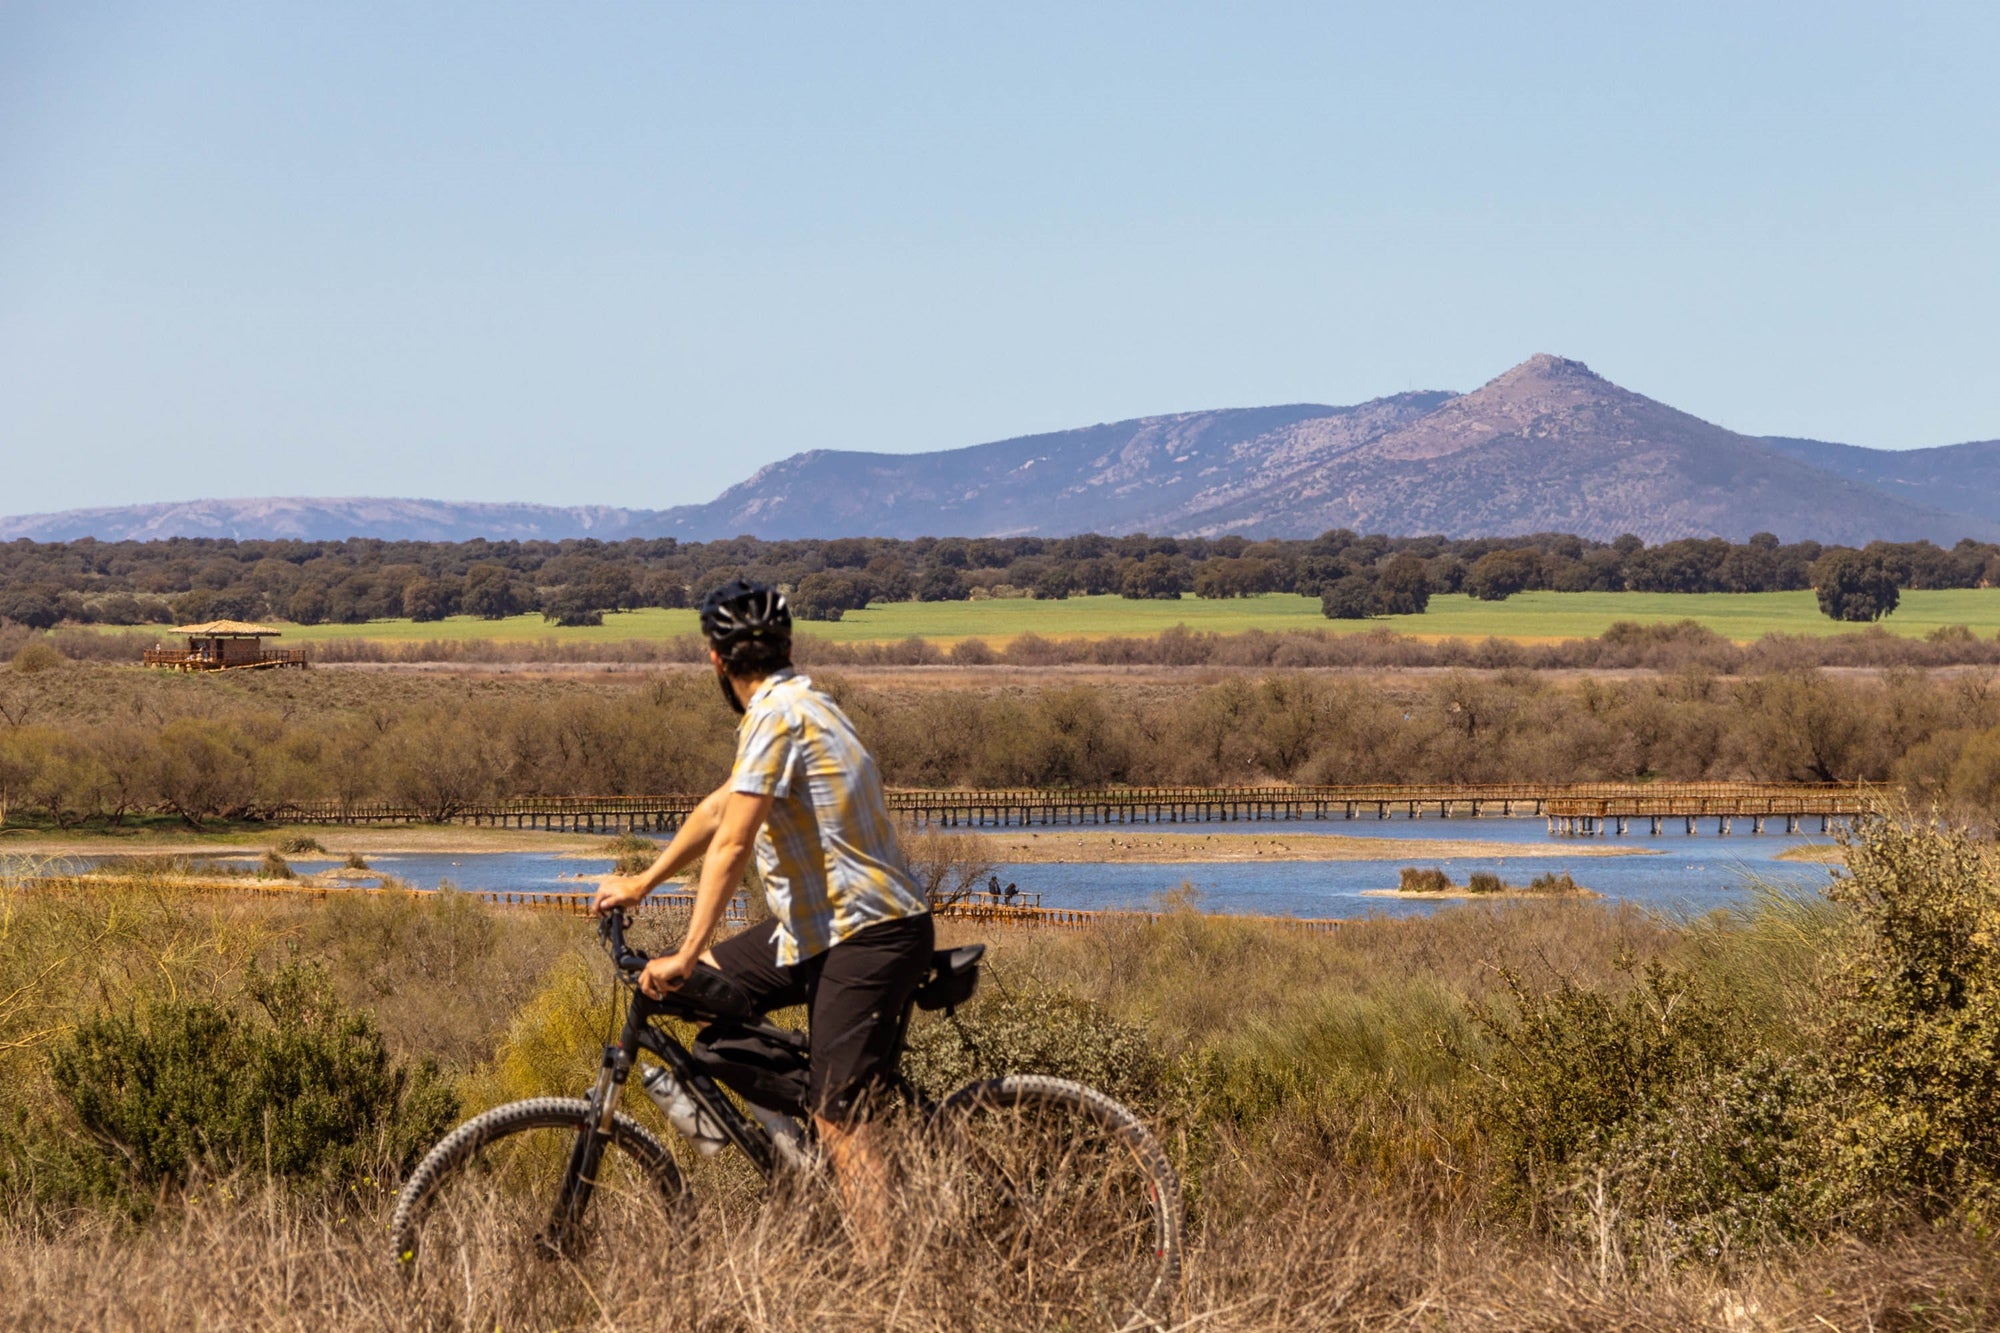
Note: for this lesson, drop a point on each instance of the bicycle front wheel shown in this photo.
(513, 1202)
(1064, 1202)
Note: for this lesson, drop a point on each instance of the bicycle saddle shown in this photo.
(954, 976)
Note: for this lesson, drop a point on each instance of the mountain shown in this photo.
(333, 520)
(1961, 477)
(1155, 474)
(1549, 446)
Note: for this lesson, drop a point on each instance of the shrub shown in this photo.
(1037, 1032)
(1917, 1047)
(36, 657)
(301, 845)
(1484, 881)
(1575, 1066)
(633, 854)
(308, 1092)
(553, 1042)
(1414, 880)
(1726, 1162)
(1554, 881)
(356, 861)
(274, 866)
(945, 866)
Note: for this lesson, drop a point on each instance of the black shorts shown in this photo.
(855, 994)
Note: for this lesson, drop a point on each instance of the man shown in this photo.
(851, 934)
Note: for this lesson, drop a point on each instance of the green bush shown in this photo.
(1725, 1162)
(291, 1083)
(1037, 1033)
(1810, 1071)
(1576, 1066)
(1915, 1052)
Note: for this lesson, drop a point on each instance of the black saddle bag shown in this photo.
(759, 1063)
(954, 977)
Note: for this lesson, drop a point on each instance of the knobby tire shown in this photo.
(457, 1155)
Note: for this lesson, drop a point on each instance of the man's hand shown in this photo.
(666, 973)
(617, 891)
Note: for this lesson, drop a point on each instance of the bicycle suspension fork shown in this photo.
(580, 1178)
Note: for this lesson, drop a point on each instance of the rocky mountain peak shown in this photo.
(1548, 366)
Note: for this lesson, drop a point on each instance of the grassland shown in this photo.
(1531, 616)
(1463, 1121)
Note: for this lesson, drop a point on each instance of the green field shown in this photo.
(1527, 616)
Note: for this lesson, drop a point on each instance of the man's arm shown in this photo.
(743, 813)
(695, 834)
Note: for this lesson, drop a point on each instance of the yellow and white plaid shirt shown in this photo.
(828, 852)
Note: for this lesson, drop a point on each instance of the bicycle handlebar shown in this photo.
(623, 956)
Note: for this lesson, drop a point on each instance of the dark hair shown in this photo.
(750, 627)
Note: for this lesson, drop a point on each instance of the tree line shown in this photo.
(80, 742)
(185, 580)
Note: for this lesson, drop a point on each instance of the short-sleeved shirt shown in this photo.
(828, 852)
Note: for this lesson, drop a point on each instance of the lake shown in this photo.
(1682, 874)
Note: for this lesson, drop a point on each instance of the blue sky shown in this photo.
(625, 254)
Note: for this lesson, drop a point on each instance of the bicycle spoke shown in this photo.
(494, 1232)
(1055, 1208)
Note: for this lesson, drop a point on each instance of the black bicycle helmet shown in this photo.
(741, 612)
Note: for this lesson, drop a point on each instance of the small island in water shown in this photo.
(1434, 883)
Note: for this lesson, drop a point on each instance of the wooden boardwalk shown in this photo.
(1656, 814)
(1028, 807)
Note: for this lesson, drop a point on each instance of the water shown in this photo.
(1680, 874)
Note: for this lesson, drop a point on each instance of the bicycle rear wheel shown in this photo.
(1063, 1202)
(492, 1221)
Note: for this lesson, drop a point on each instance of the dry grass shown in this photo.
(1306, 1253)
(1339, 1170)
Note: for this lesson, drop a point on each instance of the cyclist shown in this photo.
(851, 935)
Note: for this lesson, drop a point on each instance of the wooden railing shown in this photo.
(176, 659)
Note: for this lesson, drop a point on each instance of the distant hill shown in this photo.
(1961, 477)
(1547, 446)
(336, 519)
(1155, 474)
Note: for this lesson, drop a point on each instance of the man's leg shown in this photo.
(856, 1029)
(750, 959)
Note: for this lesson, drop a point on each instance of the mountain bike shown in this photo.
(1048, 1188)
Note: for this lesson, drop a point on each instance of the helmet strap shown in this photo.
(729, 691)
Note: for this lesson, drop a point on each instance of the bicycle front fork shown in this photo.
(580, 1179)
